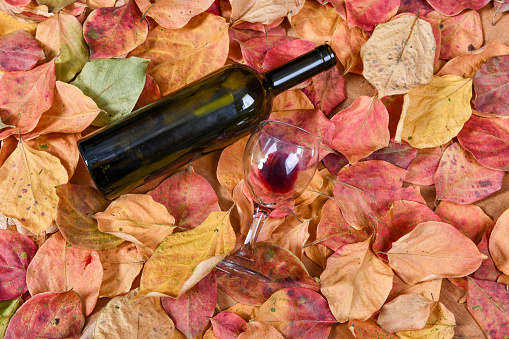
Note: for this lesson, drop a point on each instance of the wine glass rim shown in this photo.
(264, 122)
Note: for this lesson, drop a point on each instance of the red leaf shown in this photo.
(468, 219)
(394, 105)
(16, 252)
(297, 313)
(422, 169)
(360, 129)
(463, 180)
(25, 95)
(191, 310)
(326, 90)
(487, 270)
(19, 51)
(449, 8)
(18, 3)
(488, 302)
(113, 31)
(280, 265)
(150, 93)
(400, 155)
(228, 325)
(421, 7)
(400, 220)
(188, 197)
(283, 53)
(48, 315)
(335, 162)
(60, 267)
(240, 33)
(367, 15)
(365, 191)
(490, 85)
(255, 50)
(488, 141)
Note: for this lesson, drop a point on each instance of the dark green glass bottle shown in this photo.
(204, 116)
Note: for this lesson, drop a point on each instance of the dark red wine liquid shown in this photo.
(279, 172)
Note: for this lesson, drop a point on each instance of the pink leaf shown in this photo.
(228, 325)
(368, 14)
(283, 53)
(447, 7)
(19, 51)
(490, 85)
(422, 169)
(16, 252)
(463, 180)
(326, 90)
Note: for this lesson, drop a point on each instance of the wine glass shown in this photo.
(279, 161)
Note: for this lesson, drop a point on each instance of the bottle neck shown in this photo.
(300, 69)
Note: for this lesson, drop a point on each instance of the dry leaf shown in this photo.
(498, 243)
(399, 55)
(137, 218)
(315, 22)
(173, 14)
(406, 312)
(264, 11)
(434, 250)
(355, 282)
(433, 114)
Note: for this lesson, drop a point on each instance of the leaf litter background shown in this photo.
(402, 232)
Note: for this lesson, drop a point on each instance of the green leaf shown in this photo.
(7, 309)
(114, 85)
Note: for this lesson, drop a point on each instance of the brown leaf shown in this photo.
(136, 218)
(355, 282)
(180, 56)
(121, 265)
(406, 312)
(434, 250)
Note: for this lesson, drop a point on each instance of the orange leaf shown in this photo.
(173, 14)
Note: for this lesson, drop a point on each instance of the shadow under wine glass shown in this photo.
(279, 161)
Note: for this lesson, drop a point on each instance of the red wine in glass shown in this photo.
(279, 172)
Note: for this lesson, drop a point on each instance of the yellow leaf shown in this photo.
(28, 180)
(315, 22)
(399, 55)
(137, 218)
(9, 24)
(356, 282)
(128, 317)
(185, 256)
(433, 114)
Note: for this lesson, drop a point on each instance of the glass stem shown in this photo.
(259, 216)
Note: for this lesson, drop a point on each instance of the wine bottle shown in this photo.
(206, 115)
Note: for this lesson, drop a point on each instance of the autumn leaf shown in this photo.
(468, 219)
(264, 11)
(406, 312)
(121, 265)
(422, 169)
(440, 324)
(315, 22)
(7, 310)
(129, 317)
(136, 218)
(488, 269)
(116, 95)
(489, 85)
(487, 302)
(430, 288)
(346, 43)
(46, 315)
(16, 252)
(229, 168)
(19, 51)
(297, 312)
(27, 183)
(360, 129)
(188, 197)
(282, 268)
(399, 55)
(173, 14)
(369, 15)
(497, 244)
(62, 38)
(60, 267)
(150, 93)
(228, 325)
(180, 56)
(292, 234)
(26, 95)
(326, 90)
(114, 31)
(462, 179)
(256, 329)
(170, 269)
(435, 113)
(283, 53)
(290, 100)
(9, 23)
(191, 311)
(452, 8)
(55, 5)
(355, 282)
(433, 250)
(75, 208)
(369, 329)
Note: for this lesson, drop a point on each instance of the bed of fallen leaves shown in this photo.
(361, 247)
